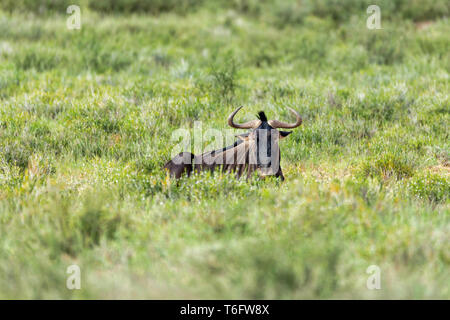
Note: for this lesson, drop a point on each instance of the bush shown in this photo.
(40, 6)
(152, 7)
(224, 79)
(281, 11)
(386, 166)
(430, 186)
(39, 59)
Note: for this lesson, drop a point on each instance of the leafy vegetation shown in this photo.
(86, 118)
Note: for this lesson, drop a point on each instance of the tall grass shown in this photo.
(86, 118)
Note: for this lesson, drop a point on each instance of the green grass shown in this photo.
(86, 118)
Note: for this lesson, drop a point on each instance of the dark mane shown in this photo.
(262, 116)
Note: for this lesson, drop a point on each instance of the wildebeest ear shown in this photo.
(284, 134)
(243, 136)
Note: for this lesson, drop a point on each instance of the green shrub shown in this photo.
(224, 79)
(381, 48)
(281, 11)
(387, 165)
(16, 154)
(380, 107)
(69, 227)
(38, 58)
(40, 6)
(430, 186)
(139, 6)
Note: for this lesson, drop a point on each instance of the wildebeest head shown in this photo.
(263, 139)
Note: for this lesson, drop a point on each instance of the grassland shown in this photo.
(86, 118)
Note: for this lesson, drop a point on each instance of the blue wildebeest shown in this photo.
(254, 151)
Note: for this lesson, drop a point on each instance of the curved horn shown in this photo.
(285, 125)
(248, 125)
